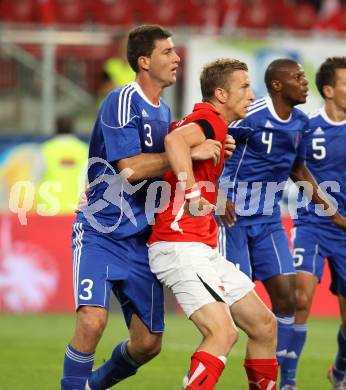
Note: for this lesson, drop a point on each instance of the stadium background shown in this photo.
(51, 58)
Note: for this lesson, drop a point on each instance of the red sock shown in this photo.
(205, 371)
(262, 373)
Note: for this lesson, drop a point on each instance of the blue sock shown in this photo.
(289, 365)
(339, 368)
(77, 368)
(285, 335)
(118, 367)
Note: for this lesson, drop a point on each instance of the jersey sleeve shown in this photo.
(241, 130)
(120, 127)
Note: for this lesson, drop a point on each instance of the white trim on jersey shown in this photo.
(276, 252)
(257, 102)
(273, 112)
(78, 229)
(142, 95)
(330, 121)
(121, 103)
(314, 260)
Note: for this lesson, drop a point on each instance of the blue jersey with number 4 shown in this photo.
(326, 160)
(267, 147)
(127, 124)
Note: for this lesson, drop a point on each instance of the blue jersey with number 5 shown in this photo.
(267, 147)
(326, 160)
(127, 125)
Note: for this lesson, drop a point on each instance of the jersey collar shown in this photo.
(206, 106)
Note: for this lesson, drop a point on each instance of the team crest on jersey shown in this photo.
(318, 131)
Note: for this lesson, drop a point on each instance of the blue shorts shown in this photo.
(261, 251)
(102, 264)
(312, 244)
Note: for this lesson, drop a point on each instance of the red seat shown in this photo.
(71, 11)
(166, 13)
(23, 11)
(255, 14)
(300, 16)
(114, 12)
(204, 14)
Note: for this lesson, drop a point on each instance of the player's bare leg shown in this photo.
(91, 322)
(215, 323)
(127, 357)
(79, 356)
(259, 323)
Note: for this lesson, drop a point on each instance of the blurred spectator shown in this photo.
(332, 16)
(63, 159)
(116, 71)
(229, 15)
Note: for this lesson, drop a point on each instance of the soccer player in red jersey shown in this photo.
(213, 293)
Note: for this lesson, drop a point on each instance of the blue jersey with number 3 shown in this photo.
(267, 147)
(127, 124)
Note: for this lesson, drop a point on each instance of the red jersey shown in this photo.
(173, 224)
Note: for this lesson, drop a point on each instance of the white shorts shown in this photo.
(197, 274)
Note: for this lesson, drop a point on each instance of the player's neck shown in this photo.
(151, 90)
(333, 112)
(282, 108)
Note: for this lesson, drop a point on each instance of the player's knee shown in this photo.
(303, 300)
(148, 346)
(284, 303)
(265, 329)
(223, 333)
(92, 326)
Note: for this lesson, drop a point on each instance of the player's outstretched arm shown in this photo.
(301, 173)
(147, 165)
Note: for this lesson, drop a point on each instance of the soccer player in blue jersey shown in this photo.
(315, 237)
(110, 235)
(270, 149)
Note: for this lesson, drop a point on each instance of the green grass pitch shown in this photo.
(32, 349)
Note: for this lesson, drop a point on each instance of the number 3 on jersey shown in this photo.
(149, 138)
(86, 294)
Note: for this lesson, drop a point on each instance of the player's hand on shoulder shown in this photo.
(225, 212)
(198, 207)
(209, 149)
(229, 147)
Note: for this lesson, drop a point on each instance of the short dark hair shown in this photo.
(215, 75)
(273, 70)
(326, 72)
(141, 42)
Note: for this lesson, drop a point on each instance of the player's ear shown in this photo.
(143, 62)
(221, 95)
(328, 91)
(276, 85)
